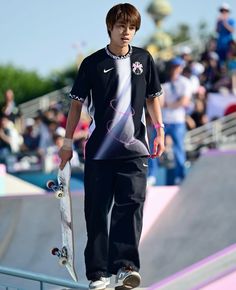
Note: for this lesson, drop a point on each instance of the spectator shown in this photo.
(58, 139)
(5, 147)
(225, 80)
(186, 54)
(210, 47)
(231, 64)
(152, 162)
(9, 107)
(198, 116)
(44, 128)
(81, 134)
(10, 139)
(177, 95)
(30, 136)
(211, 73)
(225, 29)
(60, 118)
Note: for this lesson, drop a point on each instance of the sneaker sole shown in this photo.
(100, 288)
(130, 282)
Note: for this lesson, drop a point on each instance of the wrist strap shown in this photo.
(67, 144)
(158, 126)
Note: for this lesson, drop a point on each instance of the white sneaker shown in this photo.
(127, 279)
(99, 284)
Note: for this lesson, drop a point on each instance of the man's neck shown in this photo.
(174, 77)
(119, 51)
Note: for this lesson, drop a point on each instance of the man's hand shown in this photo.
(158, 146)
(65, 155)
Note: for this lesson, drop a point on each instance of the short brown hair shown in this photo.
(126, 12)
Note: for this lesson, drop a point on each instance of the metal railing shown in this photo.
(218, 132)
(30, 108)
(42, 279)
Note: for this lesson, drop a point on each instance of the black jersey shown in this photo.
(116, 88)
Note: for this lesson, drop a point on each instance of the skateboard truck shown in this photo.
(57, 189)
(61, 254)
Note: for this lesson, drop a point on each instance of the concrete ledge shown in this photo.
(14, 186)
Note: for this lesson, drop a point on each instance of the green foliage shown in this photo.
(25, 84)
(64, 77)
(203, 32)
(181, 34)
(28, 85)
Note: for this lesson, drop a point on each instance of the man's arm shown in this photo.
(154, 110)
(65, 153)
(181, 102)
(228, 26)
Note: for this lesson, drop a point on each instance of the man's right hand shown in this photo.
(65, 155)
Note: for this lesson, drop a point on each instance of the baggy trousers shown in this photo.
(120, 184)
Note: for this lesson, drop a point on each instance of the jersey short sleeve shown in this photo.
(81, 86)
(154, 88)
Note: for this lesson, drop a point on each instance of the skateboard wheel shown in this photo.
(50, 184)
(55, 251)
(59, 194)
(63, 261)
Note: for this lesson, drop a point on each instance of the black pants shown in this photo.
(124, 182)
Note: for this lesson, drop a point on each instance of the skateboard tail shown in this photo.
(72, 273)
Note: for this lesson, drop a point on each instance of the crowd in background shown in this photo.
(36, 140)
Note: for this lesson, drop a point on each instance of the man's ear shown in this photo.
(109, 28)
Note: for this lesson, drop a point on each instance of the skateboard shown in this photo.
(62, 192)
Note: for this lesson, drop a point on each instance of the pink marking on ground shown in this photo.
(2, 169)
(228, 282)
(197, 266)
(157, 199)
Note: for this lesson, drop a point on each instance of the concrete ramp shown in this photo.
(195, 222)
(11, 185)
(199, 221)
(30, 228)
(218, 270)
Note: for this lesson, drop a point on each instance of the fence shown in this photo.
(42, 279)
(218, 132)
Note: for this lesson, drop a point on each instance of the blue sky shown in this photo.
(46, 35)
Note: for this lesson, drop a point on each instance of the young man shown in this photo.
(117, 81)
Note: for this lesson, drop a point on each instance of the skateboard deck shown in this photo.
(62, 192)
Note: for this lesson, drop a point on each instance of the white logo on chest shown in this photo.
(107, 70)
(137, 68)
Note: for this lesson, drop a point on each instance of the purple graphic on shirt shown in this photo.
(121, 127)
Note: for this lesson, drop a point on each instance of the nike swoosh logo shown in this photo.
(145, 165)
(107, 70)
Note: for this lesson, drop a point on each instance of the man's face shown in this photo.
(122, 33)
(224, 13)
(177, 69)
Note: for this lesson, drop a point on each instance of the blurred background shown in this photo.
(42, 46)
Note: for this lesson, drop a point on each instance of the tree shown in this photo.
(25, 84)
(181, 34)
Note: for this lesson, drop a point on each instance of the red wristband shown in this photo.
(158, 126)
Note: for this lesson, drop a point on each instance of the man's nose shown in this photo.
(126, 30)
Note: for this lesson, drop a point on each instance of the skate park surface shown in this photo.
(188, 239)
